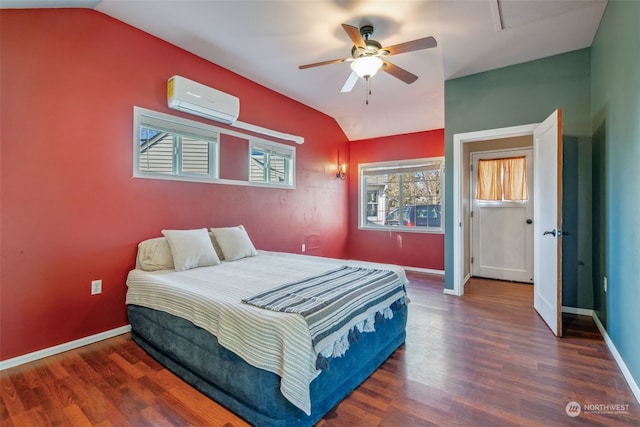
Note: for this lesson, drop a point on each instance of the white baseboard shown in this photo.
(453, 292)
(424, 270)
(577, 310)
(614, 351)
(40, 354)
(612, 348)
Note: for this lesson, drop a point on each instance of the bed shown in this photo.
(236, 324)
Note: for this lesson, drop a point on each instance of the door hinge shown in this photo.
(471, 213)
(471, 260)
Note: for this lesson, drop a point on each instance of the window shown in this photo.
(173, 148)
(406, 195)
(271, 163)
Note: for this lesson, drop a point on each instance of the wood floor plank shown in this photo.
(76, 417)
(11, 404)
(485, 359)
(130, 369)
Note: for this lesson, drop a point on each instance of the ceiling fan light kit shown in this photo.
(368, 56)
(367, 66)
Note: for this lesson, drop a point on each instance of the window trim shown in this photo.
(399, 165)
(271, 148)
(198, 129)
(177, 138)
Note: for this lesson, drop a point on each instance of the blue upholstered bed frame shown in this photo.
(254, 394)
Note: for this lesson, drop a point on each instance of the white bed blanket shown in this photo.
(210, 297)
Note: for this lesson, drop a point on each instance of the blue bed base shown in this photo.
(194, 355)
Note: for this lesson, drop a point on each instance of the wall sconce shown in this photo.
(342, 170)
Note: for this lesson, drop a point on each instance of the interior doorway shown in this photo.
(465, 145)
(547, 242)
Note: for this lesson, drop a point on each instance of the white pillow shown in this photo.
(216, 246)
(234, 242)
(191, 248)
(154, 254)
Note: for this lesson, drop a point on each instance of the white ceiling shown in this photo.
(266, 41)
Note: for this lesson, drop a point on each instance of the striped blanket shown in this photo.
(330, 301)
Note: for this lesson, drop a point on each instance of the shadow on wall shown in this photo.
(599, 210)
(577, 276)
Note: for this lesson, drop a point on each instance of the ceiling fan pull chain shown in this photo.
(367, 88)
(366, 91)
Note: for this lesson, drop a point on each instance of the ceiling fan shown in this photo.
(368, 56)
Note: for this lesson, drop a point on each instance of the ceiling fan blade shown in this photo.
(350, 83)
(355, 36)
(317, 64)
(418, 44)
(399, 73)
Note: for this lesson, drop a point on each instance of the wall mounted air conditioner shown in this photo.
(195, 98)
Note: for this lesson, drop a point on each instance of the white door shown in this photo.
(547, 269)
(502, 231)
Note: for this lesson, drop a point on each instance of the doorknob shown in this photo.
(552, 232)
(529, 221)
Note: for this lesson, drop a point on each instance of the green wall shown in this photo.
(615, 112)
(598, 89)
(524, 94)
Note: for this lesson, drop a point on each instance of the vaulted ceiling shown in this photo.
(266, 41)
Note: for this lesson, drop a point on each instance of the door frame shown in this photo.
(459, 139)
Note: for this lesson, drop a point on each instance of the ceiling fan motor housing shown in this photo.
(366, 31)
(372, 48)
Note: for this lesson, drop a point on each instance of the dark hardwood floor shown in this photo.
(485, 359)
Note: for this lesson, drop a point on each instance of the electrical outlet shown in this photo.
(96, 287)
(304, 247)
(604, 283)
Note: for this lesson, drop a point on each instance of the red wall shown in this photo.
(71, 211)
(234, 151)
(404, 248)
